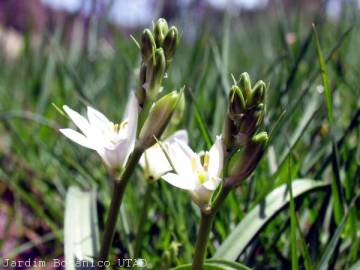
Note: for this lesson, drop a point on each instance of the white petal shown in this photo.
(216, 158)
(131, 114)
(212, 183)
(142, 161)
(180, 135)
(179, 181)
(132, 106)
(78, 120)
(201, 196)
(157, 162)
(185, 148)
(115, 156)
(77, 137)
(97, 119)
(181, 159)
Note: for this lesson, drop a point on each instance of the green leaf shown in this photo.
(336, 185)
(293, 220)
(81, 233)
(324, 77)
(204, 130)
(216, 265)
(262, 214)
(324, 261)
(304, 248)
(355, 266)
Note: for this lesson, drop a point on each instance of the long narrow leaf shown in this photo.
(324, 77)
(293, 220)
(262, 214)
(336, 184)
(81, 235)
(324, 261)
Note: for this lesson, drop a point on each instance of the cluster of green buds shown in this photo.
(244, 142)
(157, 50)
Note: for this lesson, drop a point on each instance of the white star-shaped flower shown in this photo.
(200, 178)
(113, 142)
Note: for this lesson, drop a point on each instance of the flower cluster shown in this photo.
(145, 117)
(231, 159)
(244, 142)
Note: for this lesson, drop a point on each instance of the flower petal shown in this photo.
(216, 158)
(77, 137)
(180, 135)
(201, 196)
(131, 114)
(97, 119)
(155, 162)
(179, 181)
(212, 183)
(132, 106)
(116, 156)
(78, 119)
(181, 157)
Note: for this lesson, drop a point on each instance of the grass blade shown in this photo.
(293, 221)
(336, 184)
(327, 92)
(324, 261)
(201, 122)
(81, 235)
(261, 215)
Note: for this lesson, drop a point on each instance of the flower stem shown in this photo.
(143, 216)
(119, 189)
(206, 221)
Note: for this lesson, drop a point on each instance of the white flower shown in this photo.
(154, 161)
(113, 142)
(200, 178)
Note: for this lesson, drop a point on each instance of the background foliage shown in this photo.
(38, 165)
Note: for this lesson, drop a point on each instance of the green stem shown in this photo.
(206, 221)
(118, 194)
(143, 216)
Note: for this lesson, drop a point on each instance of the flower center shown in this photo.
(203, 171)
(115, 130)
(117, 127)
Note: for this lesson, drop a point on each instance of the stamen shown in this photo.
(117, 127)
(123, 124)
(193, 164)
(206, 161)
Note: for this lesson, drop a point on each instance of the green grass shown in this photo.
(318, 231)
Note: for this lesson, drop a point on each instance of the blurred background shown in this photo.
(44, 16)
(79, 52)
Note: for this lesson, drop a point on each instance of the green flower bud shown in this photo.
(155, 72)
(170, 42)
(148, 45)
(228, 133)
(244, 161)
(252, 120)
(258, 94)
(160, 30)
(237, 104)
(177, 117)
(245, 85)
(179, 111)
(158, 119)
(141, 91)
